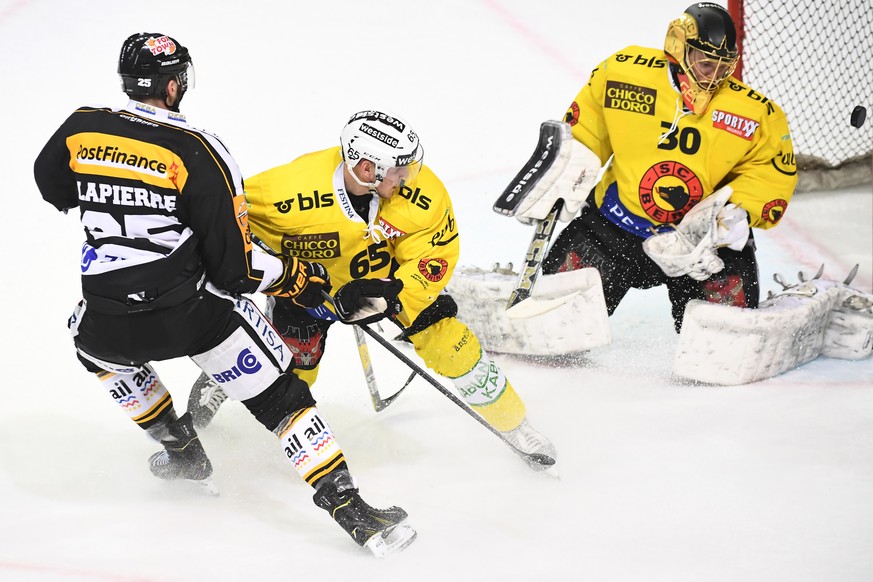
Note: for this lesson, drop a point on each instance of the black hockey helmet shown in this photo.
(148, 60)
(703, 42)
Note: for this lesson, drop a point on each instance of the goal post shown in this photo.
(815, 59)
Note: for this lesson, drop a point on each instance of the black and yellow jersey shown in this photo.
(302, 209)
(666, 159)
(161, 202)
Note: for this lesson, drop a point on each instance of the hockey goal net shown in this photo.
(815, 59)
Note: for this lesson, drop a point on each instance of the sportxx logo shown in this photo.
(246, 363)
(735, 124)
(668, 190)
(388, 229)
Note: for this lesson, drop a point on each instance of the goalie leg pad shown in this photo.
(567, 313)
(720, 344)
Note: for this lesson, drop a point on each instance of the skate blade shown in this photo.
(392, 541)
(538, 461)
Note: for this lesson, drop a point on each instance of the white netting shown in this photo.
(815, 59)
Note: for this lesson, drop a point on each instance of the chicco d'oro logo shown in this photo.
(246, 363)
(668, 190)
(629, 97)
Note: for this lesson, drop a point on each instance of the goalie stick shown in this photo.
(538, 458)
(536, 251)
(545, 156)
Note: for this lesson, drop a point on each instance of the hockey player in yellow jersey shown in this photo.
(382, 224)
(677, 132)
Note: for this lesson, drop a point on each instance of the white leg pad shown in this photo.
(720, 344)
(566, 314)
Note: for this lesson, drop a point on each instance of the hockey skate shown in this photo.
(381, 531)
(539, 452)
(183, 456)
(204, 400)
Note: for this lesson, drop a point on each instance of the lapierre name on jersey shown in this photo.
(159, 201)
(117, 195)
(665, 159)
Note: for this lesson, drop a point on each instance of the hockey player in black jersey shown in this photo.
(166, 260)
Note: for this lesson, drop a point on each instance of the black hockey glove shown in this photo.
(367, 300)
(302, 282)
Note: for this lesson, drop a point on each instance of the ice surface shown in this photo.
(657, 480)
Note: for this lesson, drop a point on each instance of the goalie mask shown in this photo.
(147, 63)
(385, 140)
(703, 43)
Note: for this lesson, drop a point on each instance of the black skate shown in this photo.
(204, 400)
(382, 531)
(183, 456)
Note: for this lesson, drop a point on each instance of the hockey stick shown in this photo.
(538, 458)
(536, 252)
(379, 403)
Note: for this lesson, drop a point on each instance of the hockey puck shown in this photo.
(859, 114)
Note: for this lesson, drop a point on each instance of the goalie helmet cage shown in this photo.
(815, 59)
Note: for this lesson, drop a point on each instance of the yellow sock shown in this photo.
(451, 349)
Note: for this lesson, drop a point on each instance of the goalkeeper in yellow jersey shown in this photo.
(382, 224)
(693, 158)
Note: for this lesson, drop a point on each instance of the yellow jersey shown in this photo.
(302, 209)
(666, 159)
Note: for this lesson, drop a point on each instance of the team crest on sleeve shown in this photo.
(433, 269)
(668, 190)
(774, 210)
(572, 115)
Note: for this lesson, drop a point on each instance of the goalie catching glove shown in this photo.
(364, 301)
(302, 282)
(691, 249)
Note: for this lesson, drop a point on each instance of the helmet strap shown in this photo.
(371, 186)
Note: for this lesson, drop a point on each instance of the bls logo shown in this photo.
(305, 202)
(416, 198)
(246, 363)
